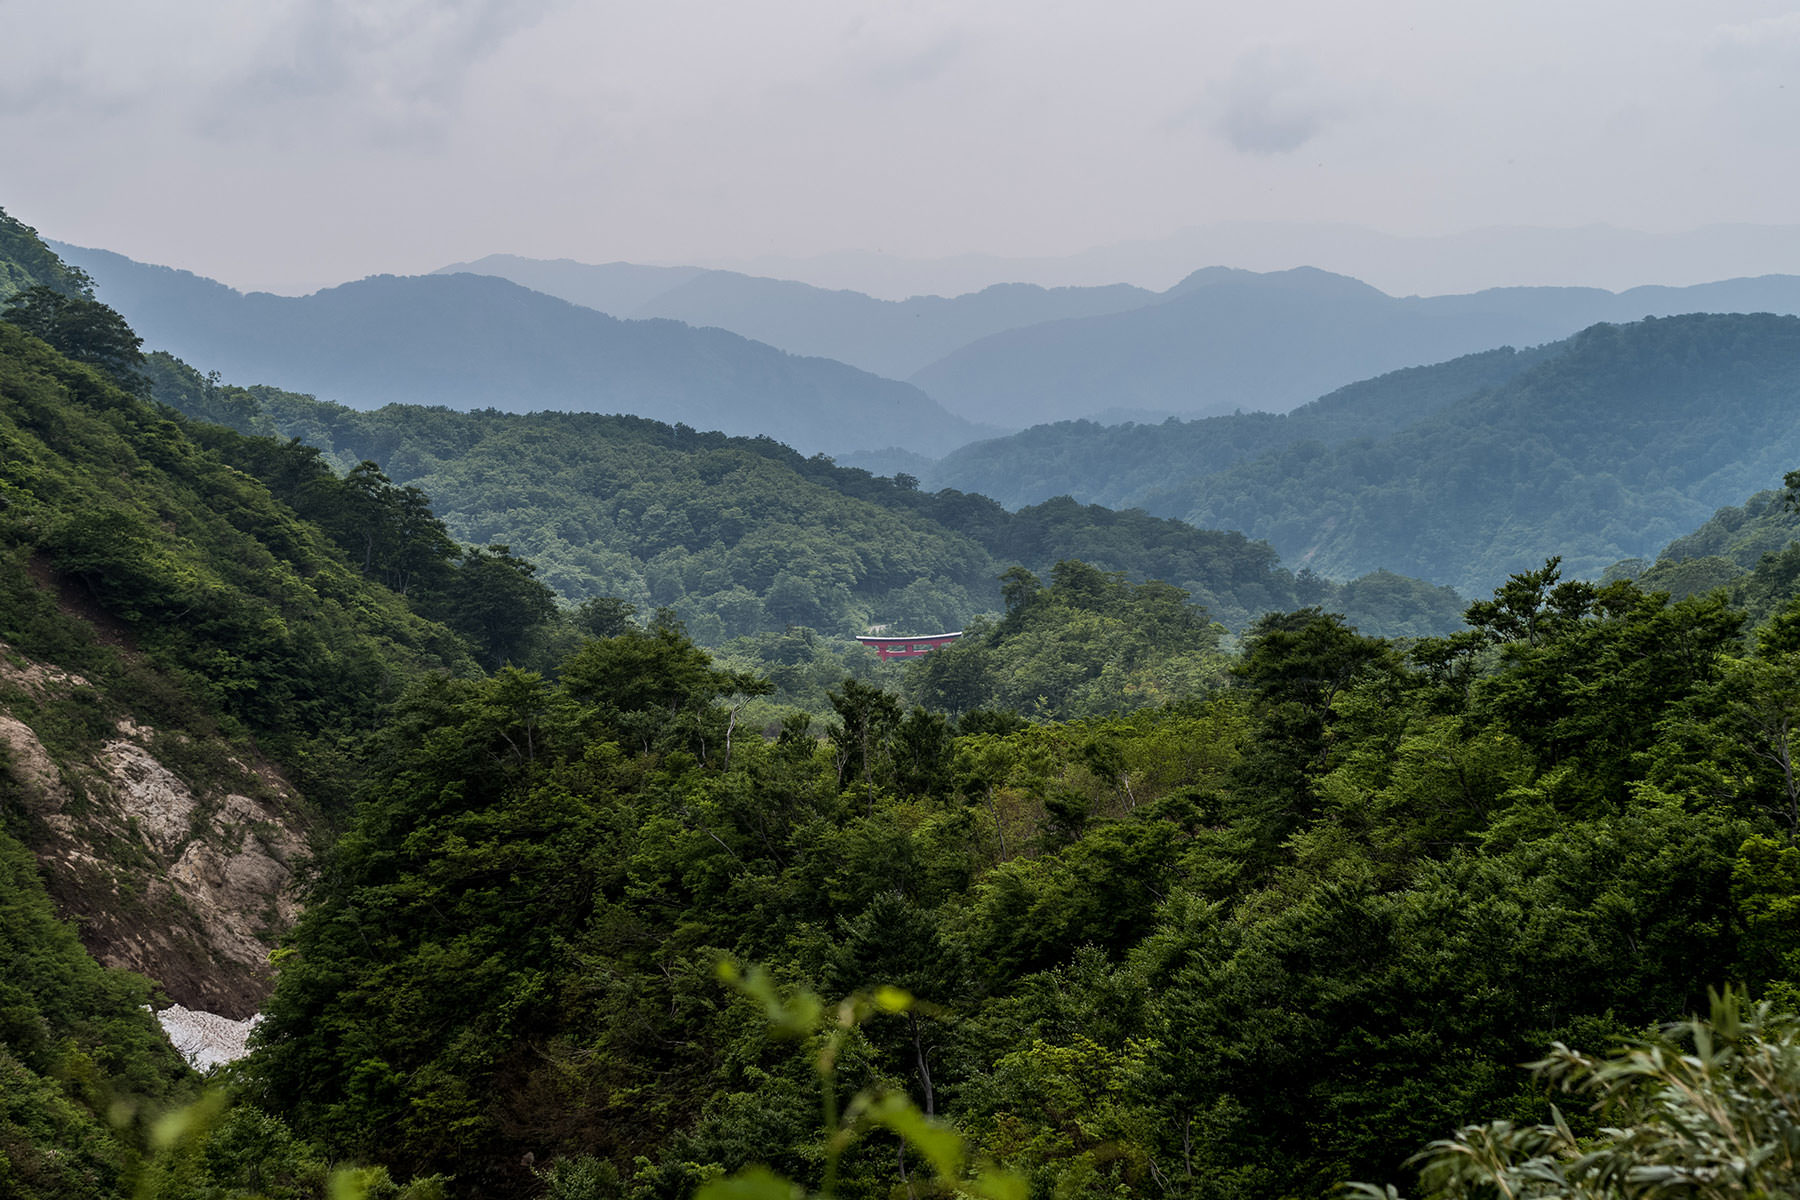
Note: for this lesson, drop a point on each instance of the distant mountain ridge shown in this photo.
(888, 337)
(1598, 448)
(1220, 340)
(471, 341)
(1593, 255)
(1236, 341)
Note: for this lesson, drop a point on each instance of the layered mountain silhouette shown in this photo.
(1224, 341)
(1121, 466)
(720, 350)
(1599, 448)
(472, 341)
(1220, 341)
(889, 337)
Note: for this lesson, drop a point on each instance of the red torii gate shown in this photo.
(908, 647)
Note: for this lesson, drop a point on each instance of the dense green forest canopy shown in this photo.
(1088, 643)
(1260, 942)
(744, 536)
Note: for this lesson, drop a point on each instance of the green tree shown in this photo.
(82, 328)
(1295, 666)
(868, 720)
(1532, 606)
(492, 599)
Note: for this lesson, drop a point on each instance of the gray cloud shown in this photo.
(1770, 42)
(1266, 105)
(917, 66)
(392, 70)
(283, 143)
(1258, 125)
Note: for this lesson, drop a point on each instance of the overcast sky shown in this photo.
(288, 144)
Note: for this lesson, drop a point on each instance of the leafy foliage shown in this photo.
(75, 1043)
(25, 262)
(82, 328)
(1253, 944)
(1704, 1109)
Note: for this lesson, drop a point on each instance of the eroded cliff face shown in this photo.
(175, 860)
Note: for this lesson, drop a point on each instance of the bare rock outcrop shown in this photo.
(205, 1039)
(187, 880)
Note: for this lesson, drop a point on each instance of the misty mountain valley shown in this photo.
(1320, 743)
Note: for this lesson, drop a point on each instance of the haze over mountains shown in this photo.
(1220, 340)
(470, 341)
(1592, 255)
(1006, 357)
(1604, 446)
(889, 337)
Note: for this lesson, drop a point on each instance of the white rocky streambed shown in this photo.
(205, 1039)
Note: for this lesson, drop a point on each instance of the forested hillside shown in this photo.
(1601, 448)
(744, 536)
(186, 674)
(1121, 465)
(1749, 552)
(1257, 943)
(1627, 438)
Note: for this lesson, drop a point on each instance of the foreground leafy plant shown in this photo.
(1707, 1110)
(802, 1015)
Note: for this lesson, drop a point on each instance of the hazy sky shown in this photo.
(286, 144)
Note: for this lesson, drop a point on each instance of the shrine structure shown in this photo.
(908, 647)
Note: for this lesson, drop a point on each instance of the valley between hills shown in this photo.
(1355, 697)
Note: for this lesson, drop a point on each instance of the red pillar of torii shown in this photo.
(908, 647)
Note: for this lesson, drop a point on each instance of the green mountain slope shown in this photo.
(181, 651)
(25, 260)
(743, 536)
(1751, 551)
(186, 667)
(77, 1049)
(1120, 465)
(1627, 438)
